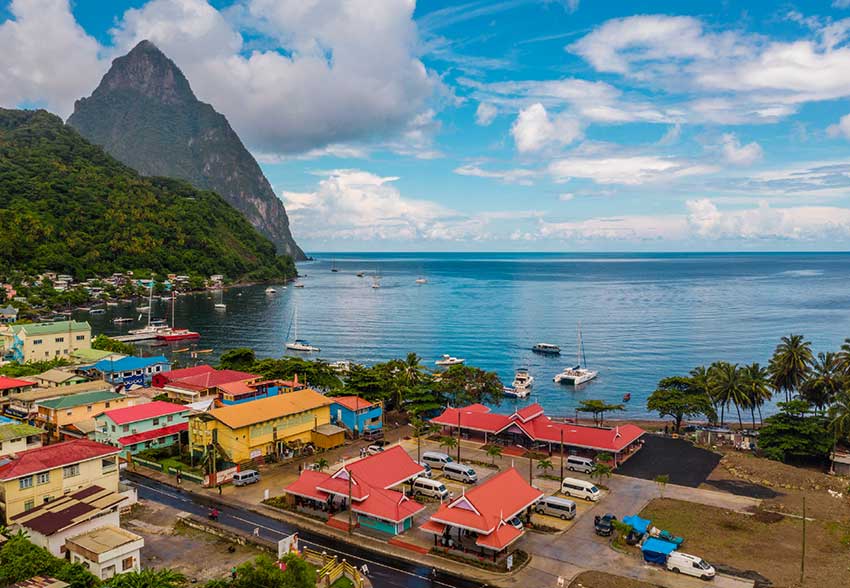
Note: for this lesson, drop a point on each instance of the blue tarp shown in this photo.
(638, 524)
(656, 550)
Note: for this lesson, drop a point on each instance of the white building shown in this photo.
(107, 551)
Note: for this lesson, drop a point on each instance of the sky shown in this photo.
(498, 125)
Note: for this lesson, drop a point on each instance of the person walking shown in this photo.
(219, 488)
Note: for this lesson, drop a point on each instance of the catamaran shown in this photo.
(577, 375)
(299, 344)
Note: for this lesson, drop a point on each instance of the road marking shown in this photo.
(324, 548)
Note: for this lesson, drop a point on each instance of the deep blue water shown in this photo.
(643, 316)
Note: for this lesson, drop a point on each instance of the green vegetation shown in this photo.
(263, 571)
(678, 399)
(598, 408)
(400, 384)
(21, 370)
(21, 560)
(795, 433)
(105, 343)
(67, 206)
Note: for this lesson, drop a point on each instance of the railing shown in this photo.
(332, 569)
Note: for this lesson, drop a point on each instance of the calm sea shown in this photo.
(643, 316)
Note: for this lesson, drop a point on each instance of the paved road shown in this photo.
(384, 571)
(686, 464)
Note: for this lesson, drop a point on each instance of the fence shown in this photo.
(187, 475)
(148, 464)
(332, 569)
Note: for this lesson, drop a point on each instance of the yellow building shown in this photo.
(59, 413)
(275, 425)
(45, 341)
(36, 476)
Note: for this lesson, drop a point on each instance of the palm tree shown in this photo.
(699, 377)
(494, 451)
(147, 578)
(448, 442)
(839, 416)
(322, 464)
(844, 357)
(824, 381)
(758, 390)
(412, 370)
(600, 470)
(728, 387)
(545, 465)
(790, 364)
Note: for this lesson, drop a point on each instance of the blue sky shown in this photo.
(501, 124)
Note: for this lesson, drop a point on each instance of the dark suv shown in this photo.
(604, 525)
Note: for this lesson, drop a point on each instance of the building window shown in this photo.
(29, 505)
(60, 339)
(81, 337)
(155, 422)
(108, 464)
(88, 408)
(43, 478)
(25, 483)
(107, 405)
(125, 428)
(36, 341)
(69, 413)
(127, 564)
(169, 418)
(71, 471)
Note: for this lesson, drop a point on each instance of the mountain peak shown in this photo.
(147, 70)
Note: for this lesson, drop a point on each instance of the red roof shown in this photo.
(433, 527)
(9, 383)
(307, 485)
(237, 388)
(354, 403)
(338, 484)
(387, 505)
(386, 469)
(504, 535)
(53, 456)
(186, 372)
(153, 434)
(484, 507)
(212, 379)
(141, 412)
(532, 422)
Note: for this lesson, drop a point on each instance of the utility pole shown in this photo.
(530, 466)
(458, 435)
(350, 510)
(562, 453)
(803, 554)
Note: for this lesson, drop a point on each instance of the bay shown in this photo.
(644, 316)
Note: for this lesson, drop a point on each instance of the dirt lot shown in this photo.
(765, 543)
(603, 580)
(783, 486)
(178, 547)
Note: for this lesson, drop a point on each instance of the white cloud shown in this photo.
(625, 169)
(524, 177)
(671, 136)
(566, 197)
(841, 3)
(621, 228)
(46, 58)
(348, 70)
(841, 128)
(738, 154)
(485, 113)
(534, 129)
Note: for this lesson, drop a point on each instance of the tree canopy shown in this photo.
(677, 399)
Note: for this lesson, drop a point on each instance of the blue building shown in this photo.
(356, 414)
(129, 371)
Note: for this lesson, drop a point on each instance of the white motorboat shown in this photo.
(449, 360)
(299, 285)
(220, 306)
(512, 392)
(271, 290)
(122, 319)
(143, 308)
(523, 380)
(577, 375)
(546, 349)
(299, 344)
(421, 280)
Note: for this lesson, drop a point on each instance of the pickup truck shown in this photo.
(604, 525)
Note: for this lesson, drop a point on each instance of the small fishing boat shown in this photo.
(271, 290)
(122, 319)
(204, 351)
(449, 360)
(220, 306)
(177, 335)
(143, 308)
(361, 274)
(109, 303)
(512, 392)
(97, 311)
(421, 280)
(299, 285)
(546, 349)
(627, 396)
(181, 350)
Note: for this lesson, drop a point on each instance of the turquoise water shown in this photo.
(643, 316)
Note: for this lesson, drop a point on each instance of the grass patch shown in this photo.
(759, 546)
(343, 582)
(605, 580)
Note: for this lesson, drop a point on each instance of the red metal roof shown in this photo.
(354, 403)
(433, 527)
(9, 383)
(211, 379)
(529, 412)
(386, 469)
(338, 484)
(482, 508)
(387, 505)
(472, 418)
(141, 412)
(186, 372)
(153, 434)
(504, 535)
(53, 456)
(236, 388)
(307, 484)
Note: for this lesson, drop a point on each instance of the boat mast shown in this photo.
(578, 349)
(150, 299)
(173, 305)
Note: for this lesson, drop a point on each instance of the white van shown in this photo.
(579, 464)
(460, 472)
(435, 459)
(246, 477)
(580, 489)
(429, 487)
(683, 563)
(556, 507)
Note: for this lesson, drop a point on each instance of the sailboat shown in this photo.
(333, 266)
(299, 344)
(150, 330)
(376, 280)
(220, 305)
(578, 374)
(172, 333)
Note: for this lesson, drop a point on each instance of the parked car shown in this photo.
(374, 449)
(684, 563)
(429, 487)
(428, 473)
(516, 522)
(604, 525)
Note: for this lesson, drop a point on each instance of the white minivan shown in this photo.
(575, 463)
(246, 477)
(580, 489)
(556, 507)
(436, 460)
(460, 472)
(429, 487)
(683, 563)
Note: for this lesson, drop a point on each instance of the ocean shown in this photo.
(643, 316)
